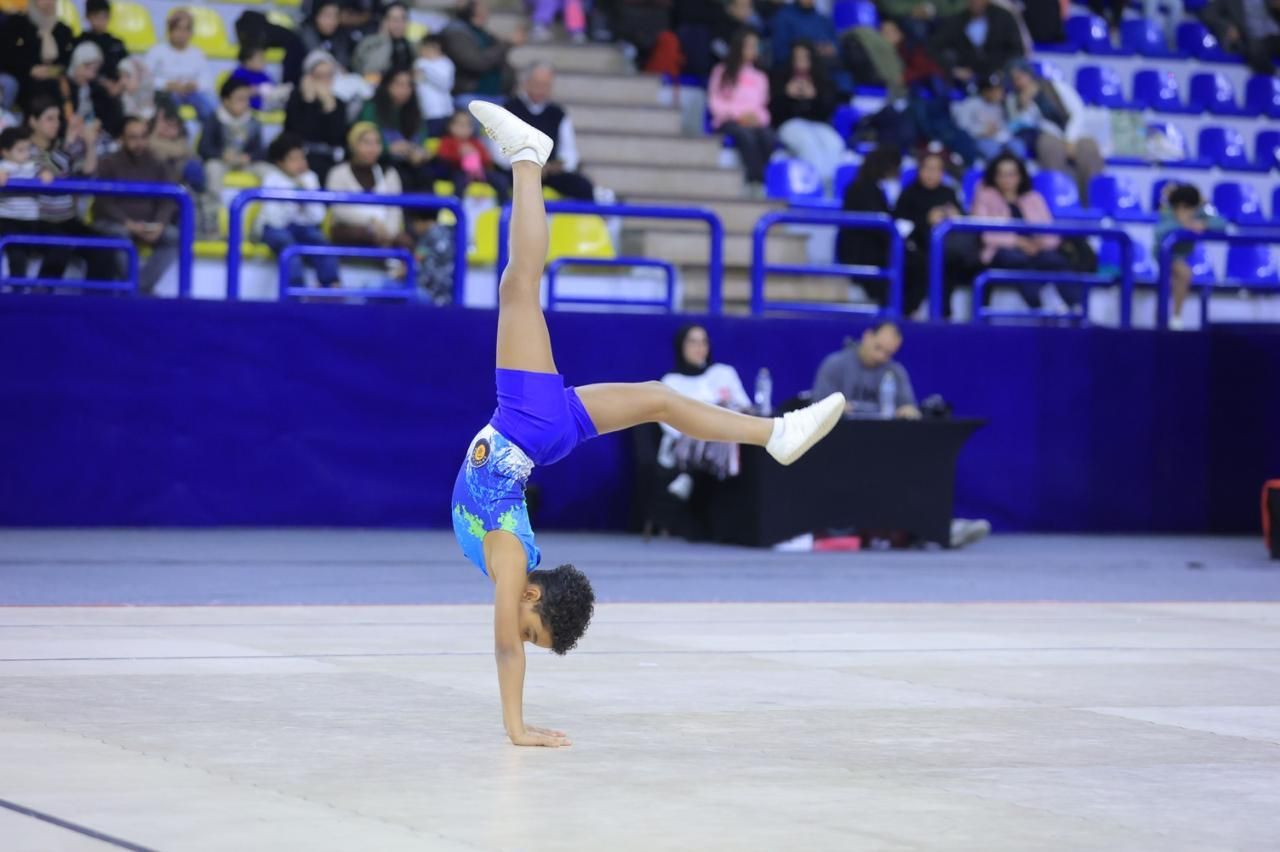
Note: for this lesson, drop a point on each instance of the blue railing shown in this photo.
(186, 212)
(553, 272)
(866, 221)
(1165, 259)
(235, 229)
(1060, 229)
(130, 283)
(991, 277)
(715, 250)
(409, 292)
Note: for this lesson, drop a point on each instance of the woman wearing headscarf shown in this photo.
(865, 194)
(86, 99)
(1050, 117)
(365, 224)
(316, 114)
(35, 49)
(321, 31)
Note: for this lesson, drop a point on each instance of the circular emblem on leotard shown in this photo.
(480, 453)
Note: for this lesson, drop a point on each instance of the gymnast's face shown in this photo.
(532, 627)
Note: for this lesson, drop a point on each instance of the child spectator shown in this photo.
(468, 160)
(180, 69)
(1183, 209)
(265, 93)
(231, 141)
(738, 97)
(288, 223)
(433, 74)
(983, 117)
(19, 214)
(98, 16)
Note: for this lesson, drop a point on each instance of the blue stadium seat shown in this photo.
(855, 13)
(1262, 96)
(1101, 86)
(1063, 197)
(1254, 263)
(794, 181)
(1267, 150)
(844, 121)
(1193, 7)
(1224, 147)
(1201, 268)
(1211, 91)
(1194, 39)
(1158, 90)
(1239, 203)
(1275, 205)
(1091, 34)
(1067, 45)
(844, 176)
(1144, 38)
(1144, 268)
(1118, 197)
(1174, 138)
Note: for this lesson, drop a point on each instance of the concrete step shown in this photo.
(652, 151)
(636, 121)
(690, 185)
(737, 289)
(577, 90)
(565, 57)
(738, 216)
(687, 247)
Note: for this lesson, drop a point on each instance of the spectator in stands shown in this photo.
(1049, 116)
(698, 377)
(800, 21)
(320, 32)
(977, 42)
(860, 367)
(1183, 208)
(180, 69)
(738, 98)
(479, 57)
(34, 51)
(287, 223)
(365, 224)
(388, 49)
(72, 153)
(98, 17)
(146, 221)
(314, 113)
(1250, 28)
(394, 109)
(917, 18)
(171, 144)
(572, 15)
(803, 101)
(534, 105)
(433, 74)
(230, 141)
(858, 246)
(983, 117)
(19, 214)
(467, 160)
(358, 18)
(1006, 194)
(138, 95)
(925, 202)
(265, 93)
(87, 99)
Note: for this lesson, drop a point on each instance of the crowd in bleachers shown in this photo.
(953, 86)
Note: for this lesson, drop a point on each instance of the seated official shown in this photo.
(860, 371)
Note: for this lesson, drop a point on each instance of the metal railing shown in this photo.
(235, 229)
(715, 250)
(866, 221)
(937, 291)
(409, 292)
(1164, 289)
(130, 284)
(123, 189)
(553, 272)
(991, 277)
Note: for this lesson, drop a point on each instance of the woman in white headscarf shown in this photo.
(86, 99)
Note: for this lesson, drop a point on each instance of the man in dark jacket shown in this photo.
(978, 42)
(1248, 27)
(34, 51)
(479, 56)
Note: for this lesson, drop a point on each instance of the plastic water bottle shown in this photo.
(888, 395)
(764, 392)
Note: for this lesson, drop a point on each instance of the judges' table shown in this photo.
(867, 475)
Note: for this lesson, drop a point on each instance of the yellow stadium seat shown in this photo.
(416, 31)
(131, 23)
(69, 15)
(242, 179)
(293, 3)
(480, 190)
(432, 145)
(442, 187)
(271, 116)
(211, 34)
(217, 249)
(484, 249)
(579, 236)
(186, 112)
(549, 194)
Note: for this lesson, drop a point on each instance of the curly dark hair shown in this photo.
(566, 605)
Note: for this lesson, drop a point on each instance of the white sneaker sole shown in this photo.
(829, 410)
(509, 132)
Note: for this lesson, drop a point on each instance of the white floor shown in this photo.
(696, 726)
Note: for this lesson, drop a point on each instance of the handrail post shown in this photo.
(937, 293)
(186, 243)
(1164, 280)
(715, 266)
(1126, 279)
(235, 239)
(758, 235)
(896, 272)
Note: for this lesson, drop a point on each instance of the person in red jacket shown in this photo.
(467, 160)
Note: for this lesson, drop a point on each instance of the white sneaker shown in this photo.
(797, 431)
(511, 134)
(681, 487)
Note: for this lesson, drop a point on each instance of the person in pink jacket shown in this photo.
(1006, 193)
(738, 97)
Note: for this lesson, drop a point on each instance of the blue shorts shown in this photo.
(538, 421)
